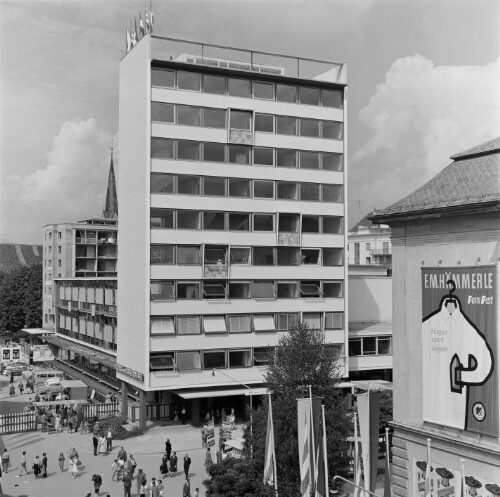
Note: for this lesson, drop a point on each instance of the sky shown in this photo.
(423, 84)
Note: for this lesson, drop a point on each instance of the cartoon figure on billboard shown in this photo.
(456, 355)
(492, 488)
(445, 477)
(472, 485)
(421, 476)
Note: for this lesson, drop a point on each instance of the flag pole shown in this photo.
(313, 473)
(428, 470)
(387, 483)
(357, 463)
(462, 465)
(327, 490)
(274, 450)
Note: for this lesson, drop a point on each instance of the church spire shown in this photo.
(111, 206)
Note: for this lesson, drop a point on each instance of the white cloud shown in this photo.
(419, 116)
(72, 186)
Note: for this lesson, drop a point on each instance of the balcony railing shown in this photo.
(385, 251)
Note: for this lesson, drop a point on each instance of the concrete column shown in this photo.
(124, 389)
(195, 412)
(142, 410)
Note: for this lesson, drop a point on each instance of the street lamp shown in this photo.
(251, 406)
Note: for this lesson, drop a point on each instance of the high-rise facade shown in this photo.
(232, 215)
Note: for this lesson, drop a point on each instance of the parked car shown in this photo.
(16, 368)
(50, 390)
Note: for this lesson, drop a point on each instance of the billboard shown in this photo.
(460, 348)
(42, 353)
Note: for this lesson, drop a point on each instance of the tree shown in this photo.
(385, 410)
(302, 358)
(21, 298)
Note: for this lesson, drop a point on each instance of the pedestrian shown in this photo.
(160, 489)
(164, 465)
(12, 390)
(95, 442)
(96, 428)
(143, 488)
(173, 464)
(183, 415)
(122, 454)
(208, 458)
(168, 448)
(133, 465)
(196, 492)
(73, 462)
(97, 479)
(21, 387)
(218, 456)
(114, 468)
(102, 445)
(43, 420)
(58, 426)
(204, 436)
(44, 465)
(37, 464)
(187, 463)
(12, 377)
(109, 440)
(61, 460)
(153, 492)
(127, 485)
(141, 476)
(5, 461)
(186, 489)
(22, 462)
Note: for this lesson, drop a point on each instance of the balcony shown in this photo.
(383, 251)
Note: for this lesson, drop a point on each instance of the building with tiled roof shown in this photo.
(13, 256)
(445, 257)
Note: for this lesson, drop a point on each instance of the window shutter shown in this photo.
(187, 325)
(83, 328)
(312, 319)
(286, 320)
(334, 320)
(240, 323)
(62, 293)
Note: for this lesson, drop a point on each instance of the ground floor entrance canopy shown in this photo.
(204, 393)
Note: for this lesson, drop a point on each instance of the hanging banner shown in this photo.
(460, 348)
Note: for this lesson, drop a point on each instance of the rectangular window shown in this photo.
(162, 183)
(162, 112)
(214, 324)
(239, 221)
(240, 323)
(263, 189)
(162, 326)
(214, 185)
(334, 320)
(213, 220)
(188, 185)
(367, 246)
(162, 362)
(288, 290)
(162, 290)
(332, 289)
(262, 355)
(263, 289)
(188, 254)
(309, 96)
(188, 220)
(288, 256)
(240, 255)
(264, 322)
(215, 254)
(240, 358)
(309, 127)
(287, 190)
(286, 158)
(214, 118)
(214, 84)
(310, 192)
(162, 254)
(214, 152)
(286, 93)
(356, 253)
(162, 218)
(263, 222)
(239, 154)
(310, 289)
(263, 90)
(162, 148)
(214, 359)
(264, 123)
(309, 160)
(384, 346)
(355, 346)
(332, 224)
(332, 193)
(312, 320)
(239, 187)
(189, 361)
(286, 125)
(332, 130)
(188, 325)
(188, 80)
(288, 223)
(310, 224)
(188, 290)
(214, 290)
(240, 119)
(263, 256)
(188, 150)
(286, 321)
(163, 77)
(332, 98)
(263, 156)
(333, 256)
(239, 87)
(332, 162)
(239, 290)
(310, 256)
(188, 115)
(369, 345)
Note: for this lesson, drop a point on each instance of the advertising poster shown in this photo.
(5, 355)
(42, 353)
(460, 348)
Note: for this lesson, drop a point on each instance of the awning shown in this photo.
(203, 394)
(87, 352)
(375, 385)
(38, 331)
(370, 328)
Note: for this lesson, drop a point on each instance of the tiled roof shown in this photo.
(472, 178)
(14, 256)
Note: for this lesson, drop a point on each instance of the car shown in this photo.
(50, 390)
(16, 369)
